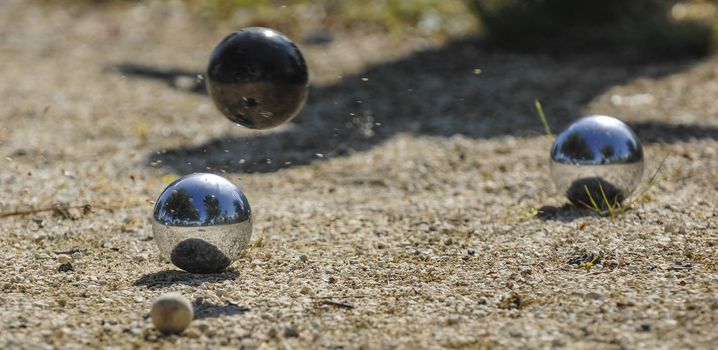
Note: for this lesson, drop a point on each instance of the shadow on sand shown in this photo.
(565, 213)
(204, 309)
(166, 278)
(438, 92)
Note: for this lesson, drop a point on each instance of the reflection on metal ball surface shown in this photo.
(202, 222)
(257, 78)
(597, 159)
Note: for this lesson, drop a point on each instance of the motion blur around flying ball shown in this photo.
(597, 162)
(202, 222)
(257, 78)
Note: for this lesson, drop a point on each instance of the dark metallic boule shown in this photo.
(202, 222)
(257, 78)
(597, 159)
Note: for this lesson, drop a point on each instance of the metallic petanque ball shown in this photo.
(599, 158)
(257, 78)
(202, 222)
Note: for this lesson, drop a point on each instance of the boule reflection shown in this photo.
(597, 161)
(202, 222)
(257, 78)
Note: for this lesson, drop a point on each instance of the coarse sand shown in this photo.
(409, 205)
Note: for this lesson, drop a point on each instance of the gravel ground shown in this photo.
(408, 206)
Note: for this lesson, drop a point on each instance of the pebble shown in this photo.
(171, 313)
(65, 267)
(453, 319)
(191, 333)
(291, 332)
(141, 257)
(64, 259)
(594, 296)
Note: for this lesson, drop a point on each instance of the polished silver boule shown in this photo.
(202, 222)
(597, 161)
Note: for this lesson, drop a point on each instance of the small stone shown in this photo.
(611, 263)
(141, 257)
(65, 267)
(64, 259)
(203, 327)
(471, 252)
(290, 332)
(191, 333)
(453, 319)
(39, 222)
(171, 313)
(184, 82)
(594, 296)
(247, 343)
(670, 323)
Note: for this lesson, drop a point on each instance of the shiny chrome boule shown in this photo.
(597, 159)
(257, 78)
(202, 222)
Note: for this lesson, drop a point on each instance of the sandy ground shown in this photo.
(400, 209)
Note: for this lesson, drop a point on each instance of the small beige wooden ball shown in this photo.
(171, 313)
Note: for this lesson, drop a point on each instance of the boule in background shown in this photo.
(202, 222)
(257, 78)
(597, 162)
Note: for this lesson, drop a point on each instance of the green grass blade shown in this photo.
(544, 121)
(593, 201)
